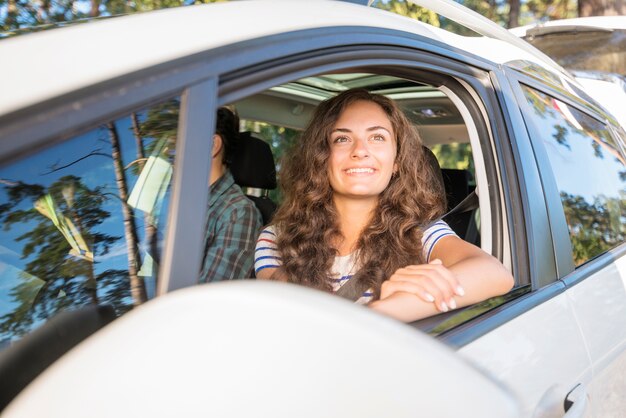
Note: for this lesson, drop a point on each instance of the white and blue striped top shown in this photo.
(266, 255)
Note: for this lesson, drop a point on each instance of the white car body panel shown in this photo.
(527, 357)
(609, 95)
(601, 312)
(614, 22)
(92, 53)
(266, 349)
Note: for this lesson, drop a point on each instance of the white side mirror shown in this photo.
(265, 349)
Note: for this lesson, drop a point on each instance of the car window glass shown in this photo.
(590, 173)
(455, 155)
(83, 221)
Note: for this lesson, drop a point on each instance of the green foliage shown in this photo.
(159, 129)
(55, 278)
(456, 155)
(25, 13)
(495, 10)
(544, 10)
(595, 227)
(407, 9)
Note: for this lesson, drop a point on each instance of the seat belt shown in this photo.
(350, 290)
(469, 203)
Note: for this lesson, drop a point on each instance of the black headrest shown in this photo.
(434, 165)
(253, 163)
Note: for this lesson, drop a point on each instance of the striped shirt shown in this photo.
(233, 223)
(266, 255)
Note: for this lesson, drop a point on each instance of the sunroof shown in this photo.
(336, 83)
(324, 86)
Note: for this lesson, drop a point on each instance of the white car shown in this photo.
(599, 60)
(105, 149)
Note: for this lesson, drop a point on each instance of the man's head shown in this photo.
(226, 136)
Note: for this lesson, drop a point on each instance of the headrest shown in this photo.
(434, 165)
(253, 163)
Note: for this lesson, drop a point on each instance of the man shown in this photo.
(233, 221)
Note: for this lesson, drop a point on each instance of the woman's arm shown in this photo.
(267, 258)
(277, 274)
(464, 275)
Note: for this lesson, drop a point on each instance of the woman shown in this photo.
(362, 206)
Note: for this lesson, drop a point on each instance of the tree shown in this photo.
(137, 285)
(601, 8)
(404, 8)
(61, 247)
(25, 13)
(514, 11)
(594, 227)
(156, 135)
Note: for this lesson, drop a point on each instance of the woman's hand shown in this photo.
(431, 282)
(458, 275)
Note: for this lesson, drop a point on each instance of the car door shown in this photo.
(91, 208)
(516, 342)
(582, 164)
(540, 351)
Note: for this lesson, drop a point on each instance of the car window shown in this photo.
(279, 114)
(590, 173)
(83, 221)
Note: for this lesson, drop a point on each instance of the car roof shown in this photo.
(579, 23)
(79, 56)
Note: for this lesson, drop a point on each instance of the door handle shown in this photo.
(575, 403)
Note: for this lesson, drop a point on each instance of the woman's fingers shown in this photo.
(435, 265)
(430, 282)
(390, 287)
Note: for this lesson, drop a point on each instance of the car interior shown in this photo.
(288, 107)
(277, 115)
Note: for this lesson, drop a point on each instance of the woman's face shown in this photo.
(362, 151)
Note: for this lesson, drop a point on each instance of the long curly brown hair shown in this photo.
(307, 220)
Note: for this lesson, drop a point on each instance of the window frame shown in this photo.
(54, 121)
(255, 65)
(362, 57)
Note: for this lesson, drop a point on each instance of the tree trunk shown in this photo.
(601, 8)
(11, 20)
(151, 231)
(514, 8)
(95, 8)
(137, 285)
(92, 286)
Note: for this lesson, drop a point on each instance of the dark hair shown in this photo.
(227, 127)
(307, 219)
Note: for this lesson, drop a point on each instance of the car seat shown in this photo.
(456, 185)
(253, 167)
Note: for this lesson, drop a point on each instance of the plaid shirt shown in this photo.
(233, 225)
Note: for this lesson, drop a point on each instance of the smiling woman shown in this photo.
(362, 207)
(362, 153)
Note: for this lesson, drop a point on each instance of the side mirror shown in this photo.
(264, 349)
